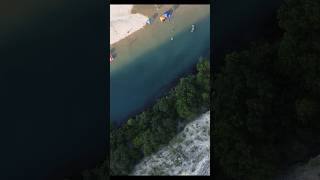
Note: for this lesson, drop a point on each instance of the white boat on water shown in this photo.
(192, 28)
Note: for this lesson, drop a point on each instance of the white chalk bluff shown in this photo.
(187, 154)
(123, 22)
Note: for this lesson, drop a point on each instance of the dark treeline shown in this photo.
(153, 128)
(145, 133)
(266, 100)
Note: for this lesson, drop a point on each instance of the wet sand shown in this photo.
(157, 33)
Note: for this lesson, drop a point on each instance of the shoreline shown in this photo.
(168, 29)
(154, 12)
(165, 92)
(133, 56)
(138, 13)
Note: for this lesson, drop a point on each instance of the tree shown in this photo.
(146, 132)
(203, 80)
(187, 103)
(266, 99)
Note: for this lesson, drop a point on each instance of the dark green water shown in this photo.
(150, 74)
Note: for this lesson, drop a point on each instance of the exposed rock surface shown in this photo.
(187, 154)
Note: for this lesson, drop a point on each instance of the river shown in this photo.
(145, 70)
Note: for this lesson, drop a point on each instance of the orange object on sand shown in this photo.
(162, 18)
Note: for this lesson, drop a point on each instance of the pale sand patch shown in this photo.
(123, 23)
(191, 12)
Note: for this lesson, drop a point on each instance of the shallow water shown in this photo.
(144, 69)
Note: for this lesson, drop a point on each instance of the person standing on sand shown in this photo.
(157, 8)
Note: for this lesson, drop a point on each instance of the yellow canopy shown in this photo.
(162, 18)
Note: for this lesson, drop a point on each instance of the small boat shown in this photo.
(171, 38)
(192, 28)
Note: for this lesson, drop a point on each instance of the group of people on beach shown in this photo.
(165, 16)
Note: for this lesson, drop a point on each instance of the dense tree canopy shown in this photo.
(266, 99)
(153, 128)
(145, 133)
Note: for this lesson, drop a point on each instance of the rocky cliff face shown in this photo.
(187, 154)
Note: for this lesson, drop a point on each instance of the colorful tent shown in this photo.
(167, 14)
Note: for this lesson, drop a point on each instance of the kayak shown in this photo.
(192, 28)
(111, 58)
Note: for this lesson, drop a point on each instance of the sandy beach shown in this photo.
(148, 37)
(123, 22)
(147, 61)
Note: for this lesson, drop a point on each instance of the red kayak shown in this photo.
(111, 58)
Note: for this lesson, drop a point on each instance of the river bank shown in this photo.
(123, 22)
(188, 153)
(147, 61)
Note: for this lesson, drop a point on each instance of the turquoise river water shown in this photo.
(144, 72)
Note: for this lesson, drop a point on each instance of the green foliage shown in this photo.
(266, 99)
(187, 98)
(145, 133)
(243, 109)
(203, 75)
(307, 110)
(203, 81)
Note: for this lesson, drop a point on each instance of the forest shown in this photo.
(153, 128)
(266, 100)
